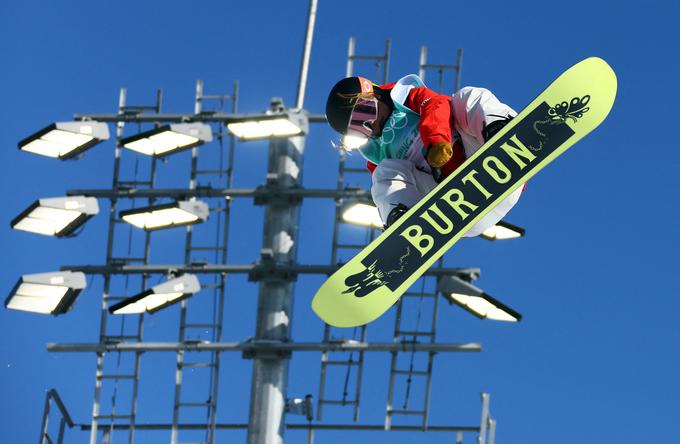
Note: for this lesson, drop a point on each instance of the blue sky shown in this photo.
(595, 357)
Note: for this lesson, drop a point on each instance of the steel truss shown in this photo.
(275, 271)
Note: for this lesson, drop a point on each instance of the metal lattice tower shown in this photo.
(199, 340)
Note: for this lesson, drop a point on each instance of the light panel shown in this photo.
(169, 139)
(482, 307)
(262, 127)
(159, 296)
(167, 215)
(46, 293)
(475, 300)
(359, 213)
(64, 140)
(56, 216)
(503, 231)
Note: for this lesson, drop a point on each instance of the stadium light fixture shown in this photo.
(169, 139)
(361, 213)
(502, 231)
(159, 296)
(64, 140)
(286, 124)
(56, 216)
(183, 212)
(46, 293)
(475, 300)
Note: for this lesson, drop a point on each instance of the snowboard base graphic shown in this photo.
(369, 284)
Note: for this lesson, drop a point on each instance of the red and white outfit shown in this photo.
(401, 174)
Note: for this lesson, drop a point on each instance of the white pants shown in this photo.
(398, 181)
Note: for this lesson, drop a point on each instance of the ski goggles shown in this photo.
(364, 112)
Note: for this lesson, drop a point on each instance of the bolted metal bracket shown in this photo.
(268, 269)
(264, 349)
(274, 195)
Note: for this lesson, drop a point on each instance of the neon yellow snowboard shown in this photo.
(369, 284)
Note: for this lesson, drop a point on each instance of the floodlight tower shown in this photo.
(272, 346)
(275, 298)
(279, 244)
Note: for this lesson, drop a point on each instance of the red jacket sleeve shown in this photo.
(370, 166)
(436, 122)
(435, 114)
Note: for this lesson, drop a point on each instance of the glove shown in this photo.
(437, 175)
(491, 129)
(439, 153)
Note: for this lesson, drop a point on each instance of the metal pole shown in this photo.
(208, 191)
(198, 104)
(360, 372)
(423, 61)
(135, 117)
(350, 57)
(46, 414)
(492, 431)
(393, 364)
(459, 66)
(99, 372)
(304, 66)
(343, 427)
(386, 66)
(485, 419)
(268, 347)
(60, 437)
(140, 318)
(198, 268)
(275, 300)
(223, 277)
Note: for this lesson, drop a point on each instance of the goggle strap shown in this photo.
(366, 85)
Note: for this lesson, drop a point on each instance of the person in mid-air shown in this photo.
(416, 137)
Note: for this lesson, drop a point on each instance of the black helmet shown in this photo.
(341, 101)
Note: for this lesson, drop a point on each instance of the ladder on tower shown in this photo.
(416, 369)
(350, 362)
(342, 249)
(441, 68)
(208, 327)
(117, 376)
(415, 322)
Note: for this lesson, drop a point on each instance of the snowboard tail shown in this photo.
(370, 283)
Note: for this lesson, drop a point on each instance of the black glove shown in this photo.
(437, 174)
(495, 126)
(396, 213)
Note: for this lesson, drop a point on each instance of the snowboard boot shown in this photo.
(395, 214)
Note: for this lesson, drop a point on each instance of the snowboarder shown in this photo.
(416, 137)
(366, 286)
